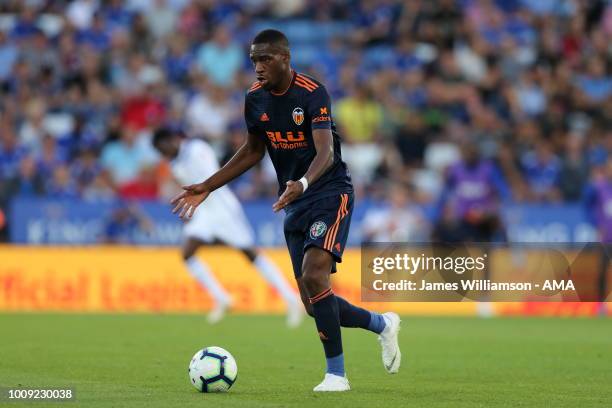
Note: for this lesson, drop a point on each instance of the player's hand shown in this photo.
(186, 202)
(294, 190)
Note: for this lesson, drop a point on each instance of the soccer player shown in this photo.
(289, 114)
(220, 220)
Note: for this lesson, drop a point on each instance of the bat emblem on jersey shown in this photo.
(298, 116)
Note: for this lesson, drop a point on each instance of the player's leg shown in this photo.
(204, 276)
(275, 278)
(232, 228)
(316, 271)
(328, 231)
(350, 315)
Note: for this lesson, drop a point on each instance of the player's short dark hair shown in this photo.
(273, 37)
(161, 134)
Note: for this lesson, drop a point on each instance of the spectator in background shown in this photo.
(595, 85)
(11, 152)
(598, 202)
(61, 184)
(220, 59)
(161, 19)
(80, 13)
(472, 194)
(96, 35)
(359, 115)
(574, 171)
(125, 160)
(541, 168)
(178, 60)
(210, 112)
(50, 157)
(26, 182)
(32, 130)
(360, 118)
(400, 220)
(86, 168)
(124, 221)
(8, 56)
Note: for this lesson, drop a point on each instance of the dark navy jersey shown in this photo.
(286, 121)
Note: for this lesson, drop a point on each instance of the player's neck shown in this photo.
(284, 85)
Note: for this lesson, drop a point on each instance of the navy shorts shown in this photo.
(323, 223)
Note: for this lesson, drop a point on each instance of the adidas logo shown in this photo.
(264, 117)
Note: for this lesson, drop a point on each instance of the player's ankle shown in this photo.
(335, 365)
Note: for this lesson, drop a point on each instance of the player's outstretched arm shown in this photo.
(249, 154)
(324, 144)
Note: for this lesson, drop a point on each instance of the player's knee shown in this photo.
(250, 253)
(309, 310)
(315, 279)
(187, 253)
(307, 306)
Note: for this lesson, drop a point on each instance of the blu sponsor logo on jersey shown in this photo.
(289, 140)
(317, 229)
(298, 116)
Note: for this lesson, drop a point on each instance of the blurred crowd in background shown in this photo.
(525, 85)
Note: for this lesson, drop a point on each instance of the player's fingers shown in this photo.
(191, 211)
(176, 199)
(277, 206)
(184, 210)
(179, 203)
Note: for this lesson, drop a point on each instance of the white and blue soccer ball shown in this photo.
(213, 369)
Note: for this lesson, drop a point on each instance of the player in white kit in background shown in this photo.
(219, 220)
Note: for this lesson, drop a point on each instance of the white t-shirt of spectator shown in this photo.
(395, 225)
(208, 119)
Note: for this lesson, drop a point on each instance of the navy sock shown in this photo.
(353, 316)
(327, 319)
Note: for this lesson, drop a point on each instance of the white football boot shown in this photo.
(333, 383)
(219, 311)
(391, 355)
(295, 315)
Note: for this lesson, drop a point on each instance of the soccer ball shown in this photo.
(213, 369)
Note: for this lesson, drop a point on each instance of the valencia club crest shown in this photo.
(298, 116)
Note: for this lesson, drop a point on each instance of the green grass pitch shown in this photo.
(141, 361)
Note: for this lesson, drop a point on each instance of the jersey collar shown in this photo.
(293, 75)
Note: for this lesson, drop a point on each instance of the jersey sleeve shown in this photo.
(249, 115)
(319, 109)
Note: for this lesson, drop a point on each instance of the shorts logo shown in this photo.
(298, 116)
(317, 229)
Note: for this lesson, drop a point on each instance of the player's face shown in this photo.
(270, 64)
(168, 147)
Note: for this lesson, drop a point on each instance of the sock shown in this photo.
(200, 271)
(274, 277)
(327, 319)
(377, 323)
(354, 316)
(335, 365)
